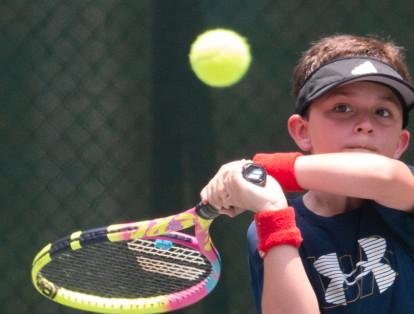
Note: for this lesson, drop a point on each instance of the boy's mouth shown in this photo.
(361, 148)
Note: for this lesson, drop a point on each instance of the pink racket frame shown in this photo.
(130, 231)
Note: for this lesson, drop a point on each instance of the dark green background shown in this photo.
(102, 120)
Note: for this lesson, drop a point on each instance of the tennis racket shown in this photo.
(139, 267)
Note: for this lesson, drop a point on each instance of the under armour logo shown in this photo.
(364, 68)
(374, 249)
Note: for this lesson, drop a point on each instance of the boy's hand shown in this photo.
(232, 194)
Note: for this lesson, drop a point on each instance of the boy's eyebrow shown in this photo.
(392, 98)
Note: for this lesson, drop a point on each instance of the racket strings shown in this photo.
(183, 259)
(177, 253)
(135, 269)
(169, 269)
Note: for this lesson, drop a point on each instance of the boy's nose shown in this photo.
(364, 130)
(364, 126)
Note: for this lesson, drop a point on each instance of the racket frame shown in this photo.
(161, 228)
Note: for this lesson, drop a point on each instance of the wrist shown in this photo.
(275, 228)
(281, 166)
(272, 206)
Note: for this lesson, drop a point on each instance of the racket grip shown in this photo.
(253, 173)
(206, 211)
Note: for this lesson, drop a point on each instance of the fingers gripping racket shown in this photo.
(139, 267)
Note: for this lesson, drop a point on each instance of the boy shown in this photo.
(353, 97)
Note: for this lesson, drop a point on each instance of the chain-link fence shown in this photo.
(102, 120)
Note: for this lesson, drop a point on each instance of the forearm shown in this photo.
(360, 175)
(286, 287)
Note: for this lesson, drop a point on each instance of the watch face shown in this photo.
(255, 174)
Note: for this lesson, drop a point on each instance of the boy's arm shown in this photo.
(387, 181)
(286, 287)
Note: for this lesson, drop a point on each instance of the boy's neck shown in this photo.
(327, 205)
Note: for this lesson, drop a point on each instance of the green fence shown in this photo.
(102, 120)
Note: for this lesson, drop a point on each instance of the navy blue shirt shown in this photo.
(361, 261)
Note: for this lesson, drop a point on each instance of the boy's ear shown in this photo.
(298, 130)
(402, 144)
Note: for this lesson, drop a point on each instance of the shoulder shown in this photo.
(400, 223)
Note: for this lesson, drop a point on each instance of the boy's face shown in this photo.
(356, 117)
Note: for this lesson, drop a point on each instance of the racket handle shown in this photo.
(206, 211)
(253, 173)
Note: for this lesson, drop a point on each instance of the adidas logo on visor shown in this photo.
(364, 68)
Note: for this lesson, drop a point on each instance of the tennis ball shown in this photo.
(220, 57)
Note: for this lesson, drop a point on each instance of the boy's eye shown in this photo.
(342, 108)
(385, 113)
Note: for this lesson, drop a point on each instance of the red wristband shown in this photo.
(281, 166)
(276, 228)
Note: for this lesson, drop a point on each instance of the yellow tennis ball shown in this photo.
(220, 57)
